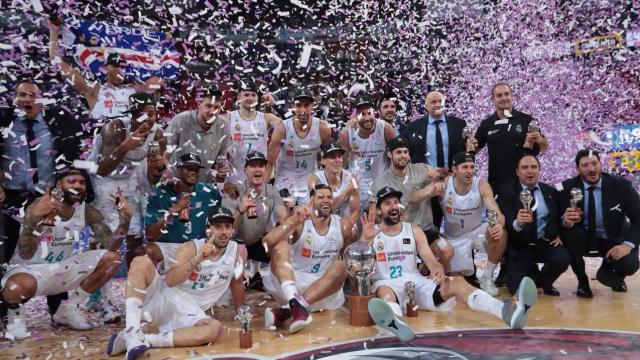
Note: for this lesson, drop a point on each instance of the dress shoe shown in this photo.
(551, 291)
(584, 292)
(609, 278)
(621, 288)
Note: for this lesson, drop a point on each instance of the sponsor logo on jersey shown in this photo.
(237, 136)
(193, 276)
(380, 256)
(306, 252)
(380, 246)
(449, 209)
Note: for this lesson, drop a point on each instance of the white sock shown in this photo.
(77, 298)
(160, 339)
(107, 293)
(481, 301)
(397, 310)
(290, 291)
(489, 270)
(133, 313)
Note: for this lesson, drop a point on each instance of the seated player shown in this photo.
(45, 263)
(311, 275)
(397, 245)
(203, 271)
(463, 202)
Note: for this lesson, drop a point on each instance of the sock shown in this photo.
(160, 339)
(481, 301)
(397, 310)
(133, 313)
(78, 298)
(290, 291)
(489, 270)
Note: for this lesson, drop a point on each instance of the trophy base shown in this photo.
(412, 309)
(246, 341)
(359, 310)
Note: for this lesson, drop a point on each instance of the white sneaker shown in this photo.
(69, 316)
(17, 324)
(136, 343)
(489, 286)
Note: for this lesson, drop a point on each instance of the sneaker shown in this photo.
(487, 284)
(68, 316)
(117, 344)
(255, 283)
(275, 317)
(516, 310)
(17, 324)
(383, 316)
(109, 314)
(94, 302)
(300, 316)
(136, 343)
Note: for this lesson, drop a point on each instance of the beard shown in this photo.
(391, 219)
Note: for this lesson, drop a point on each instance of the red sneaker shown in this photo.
(275, 317)
(300, 316)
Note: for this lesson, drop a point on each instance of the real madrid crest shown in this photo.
(380, 246)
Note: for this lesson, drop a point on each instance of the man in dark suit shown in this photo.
(533, 234)
(434, 139)
(37, 138)
(605, 223)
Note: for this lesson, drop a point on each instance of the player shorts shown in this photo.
(463, 245)
(423, 294)
(59, 277)
(105, 204)
(168, 253)
(303, 280)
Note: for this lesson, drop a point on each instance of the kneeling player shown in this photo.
(397, 245)
(313, 266)
(203, 270)
(45, 263)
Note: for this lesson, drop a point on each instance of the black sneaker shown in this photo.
(255, 283)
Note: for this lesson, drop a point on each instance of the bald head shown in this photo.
(435, 104)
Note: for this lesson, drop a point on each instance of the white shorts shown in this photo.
(105, 186)
(423, 295)
(303, 281)
(462, 260)
(168, 253)
(59, 277)
(169, 309)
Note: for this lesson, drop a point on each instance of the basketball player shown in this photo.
(249, 129)
(365, 145)
(306, 270)
(463, 203)
(46, 264)
(295, 145)
(203, 271)
(397, 245)
(343, 183)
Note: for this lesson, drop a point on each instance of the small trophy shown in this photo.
(533, 127)
(466, 132)
(410, 290)
(153, 149)
(244, 315)
(576, 197)
(526, 198)
(183, 216)
(57, 196)
(251, 210)
(361, 263)
(492, 217)
(221, 161)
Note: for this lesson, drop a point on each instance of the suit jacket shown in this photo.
(416, 133)
(621, 207)
(510, 204)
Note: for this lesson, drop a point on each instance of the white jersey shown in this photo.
(314, 253)
(246, 136)
(462, 213)
(57, 245)
(111, 102)
(209, 284)
(366, 156)
(340, 209)
(396, 255)
(297, 158)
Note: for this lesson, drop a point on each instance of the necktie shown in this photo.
(33, 156)
(439, 145)
(592, 235)
(534, 224)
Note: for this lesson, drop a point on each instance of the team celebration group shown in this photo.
(194, 206)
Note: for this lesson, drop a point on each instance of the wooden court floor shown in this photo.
(606, 311)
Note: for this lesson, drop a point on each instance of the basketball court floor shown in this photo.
(565, 327)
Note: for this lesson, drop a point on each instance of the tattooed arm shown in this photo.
(28, 241)
(109, 240)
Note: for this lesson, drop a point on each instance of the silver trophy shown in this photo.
(410, 290)
(466, 132)
(526, 198)
(533, 127)
(244, 315)
(576, 197)
(361, 263)
(153, 149)
(492, 217)
(57, 196)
